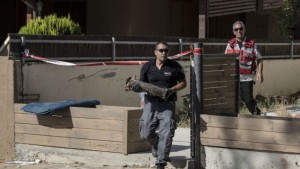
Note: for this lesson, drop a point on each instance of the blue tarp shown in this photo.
(48, 108)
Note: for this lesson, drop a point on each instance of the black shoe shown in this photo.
(154, 151)
(160, 167)
(168, 159)
(258, 112)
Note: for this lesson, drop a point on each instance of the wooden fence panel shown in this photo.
(220, 85)
(260, 133)
(105, 128)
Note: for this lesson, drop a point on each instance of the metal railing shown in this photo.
(290, 54)
(291, 45)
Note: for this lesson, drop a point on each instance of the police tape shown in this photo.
(196, 51)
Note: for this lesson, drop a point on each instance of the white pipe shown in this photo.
(5, 44)
(32, 6)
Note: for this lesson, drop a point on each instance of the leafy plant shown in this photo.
(287, 16)
(277, 104)
(51, 25)
(184, 113)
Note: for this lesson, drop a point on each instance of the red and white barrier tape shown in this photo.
(63, 63)
(196, 51)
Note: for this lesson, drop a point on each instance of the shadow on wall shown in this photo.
(97, 74)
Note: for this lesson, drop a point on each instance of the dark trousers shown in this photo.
(246, 94)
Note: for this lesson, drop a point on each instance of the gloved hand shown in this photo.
(168, 93)
(136, 88)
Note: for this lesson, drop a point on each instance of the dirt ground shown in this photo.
(55, 166)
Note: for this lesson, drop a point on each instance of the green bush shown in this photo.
(51, 25)
(287, 17)
(183, 115)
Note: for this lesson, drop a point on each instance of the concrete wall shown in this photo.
(281, 77)
(225, 158)
(6, 109)
(106, 83)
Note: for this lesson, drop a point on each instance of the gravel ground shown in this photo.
(54, 166)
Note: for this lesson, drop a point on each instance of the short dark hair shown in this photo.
(161, 42)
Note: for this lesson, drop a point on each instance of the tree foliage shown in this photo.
(287, 16)
(51, 25)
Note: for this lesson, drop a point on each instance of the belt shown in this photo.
(158, 100)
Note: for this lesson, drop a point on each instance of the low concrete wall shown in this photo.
(224, 158)
(281, 77)
(6, 109)
(106, 83)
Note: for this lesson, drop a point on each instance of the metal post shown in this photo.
(180, 47)
(192, 123)
(292, 49)
(8, 48)
(22, 61)
(237, 89)
(196, 93)
(113, 39)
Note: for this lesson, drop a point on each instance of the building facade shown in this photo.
(176, 18)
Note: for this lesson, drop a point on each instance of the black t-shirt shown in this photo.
(168, 76)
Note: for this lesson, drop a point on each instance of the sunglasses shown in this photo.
(163, 50)
(236, 29)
